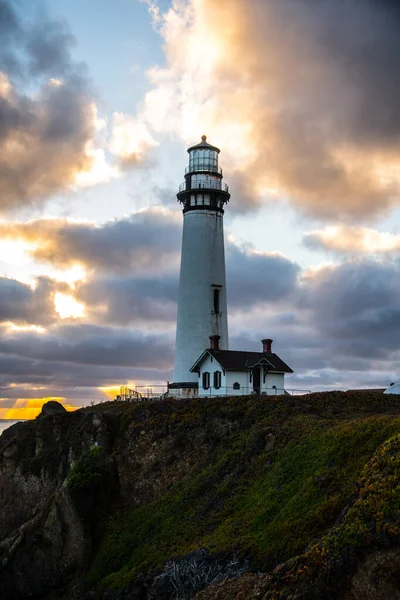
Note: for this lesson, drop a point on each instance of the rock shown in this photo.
(52, 407)
(269, 442)
(10, 451)
(377, 578)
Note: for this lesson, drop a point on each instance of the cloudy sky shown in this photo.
(99, 100)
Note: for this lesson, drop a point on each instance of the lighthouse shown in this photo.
(202, 304)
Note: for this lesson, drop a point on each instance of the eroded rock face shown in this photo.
(55, 516)
(377, 578)
(43, 538)
(45, 552)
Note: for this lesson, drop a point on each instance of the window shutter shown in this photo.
(217, 379)
(206, 380)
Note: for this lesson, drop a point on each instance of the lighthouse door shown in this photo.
(257, 380)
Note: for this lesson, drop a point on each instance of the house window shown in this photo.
(217, 379)
(206, 380)
(236, 385)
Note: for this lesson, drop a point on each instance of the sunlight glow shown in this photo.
(131, 139)
(14, 327)
(5, 86)
(71, 276)
(100, 170)
(111, 391)
(67, 306)
(30, 408)
(15, 252)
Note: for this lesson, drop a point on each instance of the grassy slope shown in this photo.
(268, 501)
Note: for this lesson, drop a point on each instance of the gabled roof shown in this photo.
(238, 360)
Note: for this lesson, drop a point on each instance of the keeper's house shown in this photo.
(237, 373)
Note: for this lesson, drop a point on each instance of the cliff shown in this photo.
(272, 498)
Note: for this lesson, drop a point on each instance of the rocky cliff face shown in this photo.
(164, 500)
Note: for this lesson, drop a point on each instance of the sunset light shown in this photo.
(31, 408)
(67, 306)
(199, 299)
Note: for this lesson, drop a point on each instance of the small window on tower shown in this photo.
(216, 301)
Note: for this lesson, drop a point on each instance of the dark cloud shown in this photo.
(258, 278)
(48, 45)
(254, 279)
(67, 379)
(11, 34)
(337, 328)
(312, 89)
(342, 330)
(124, 300)
(341, 321)
(73, 361)
(337, 63)
(356, 305)
(91, 344)
(43, 137)
(24, 305)
(146, 242)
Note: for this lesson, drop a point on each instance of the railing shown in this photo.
(142, 393)
(155, 393)
(211, 185)
(203, 165)
(248, 391)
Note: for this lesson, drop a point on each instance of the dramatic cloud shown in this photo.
(148, 241)
(255, 278)
(302, 97)
(335, 320)
(22, 304)
(90, 344)
(339, 329)
(344, 239)
(355, 306)
(135, 264)
(80, 364)
(48, 118)
(124, 300)
(130, 140)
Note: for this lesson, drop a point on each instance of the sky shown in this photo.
(99, 100)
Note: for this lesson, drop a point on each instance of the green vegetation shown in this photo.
(372, 521)
(271, 476)
(88, 473)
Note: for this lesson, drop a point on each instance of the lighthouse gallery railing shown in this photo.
(211, 185)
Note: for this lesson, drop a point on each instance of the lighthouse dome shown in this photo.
(203, 145)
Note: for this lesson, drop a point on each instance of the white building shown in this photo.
(202, 303)
(394, 388)
(202, 307)
(237, 373)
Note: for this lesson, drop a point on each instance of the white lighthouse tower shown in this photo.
(202, 306)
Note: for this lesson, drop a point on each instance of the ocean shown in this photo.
(5, 423)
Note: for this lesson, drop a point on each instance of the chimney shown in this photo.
(267, 345)
(214, 342)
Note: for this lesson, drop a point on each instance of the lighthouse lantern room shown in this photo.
(202, 304)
